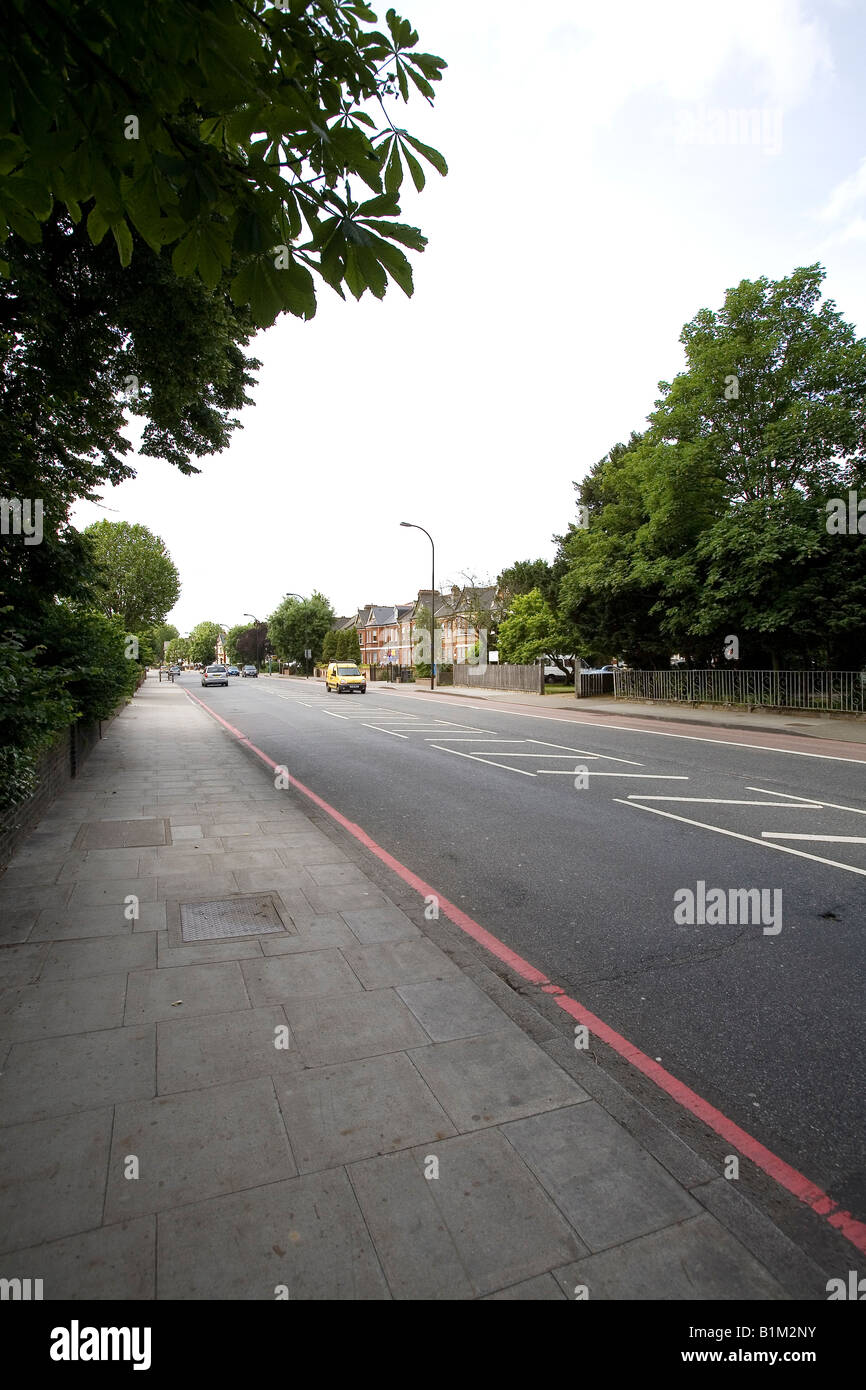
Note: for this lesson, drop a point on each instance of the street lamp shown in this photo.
(256, 621)
(413, 527)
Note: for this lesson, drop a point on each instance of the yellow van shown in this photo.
(344, 675)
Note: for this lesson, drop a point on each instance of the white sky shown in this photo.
(591, 209)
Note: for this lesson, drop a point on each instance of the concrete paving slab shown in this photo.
(356, 1110)
(342, 1028)
(400, 963)
(16, 925)
(21, 965)
(448, 1009)
(306, 1236)
(184, 992)
(56, 1008)
(198, 886)
(315, 932)
(377, 924)
(112, 1262)
(484, 1222)
(299, 975)
(44, 1077)
(696, 1260)
(542, 1289)
(76, 960)
(487, 1080)
(214, 1051)
(196, 1144)
(607, 1185)
(52, 1178)
(110, 893)
(205, 952)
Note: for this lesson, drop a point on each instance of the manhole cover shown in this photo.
(253, 916)
(122, 834)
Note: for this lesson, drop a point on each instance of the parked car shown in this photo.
(249, 671)
(233, 671)
(345, 676)
(215, 675)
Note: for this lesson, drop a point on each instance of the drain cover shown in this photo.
(252, 916)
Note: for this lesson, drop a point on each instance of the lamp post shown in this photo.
(256, 621)
(414, 527)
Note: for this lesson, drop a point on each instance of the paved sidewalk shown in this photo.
(347, 1103)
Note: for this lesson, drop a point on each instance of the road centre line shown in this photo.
(718, 801)
(737, 835)
(828, 839)
(833, 805)
(519, 770)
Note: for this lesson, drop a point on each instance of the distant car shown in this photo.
(233, 671)
(249, 671)
(215, 675)
(175, 670)
(344, 675)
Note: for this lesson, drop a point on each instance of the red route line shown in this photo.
(789, 1178)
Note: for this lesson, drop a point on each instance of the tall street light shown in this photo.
(256, 621)
(413, 527)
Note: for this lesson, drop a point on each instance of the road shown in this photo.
(584, 874)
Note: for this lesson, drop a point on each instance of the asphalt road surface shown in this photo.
(584, 873)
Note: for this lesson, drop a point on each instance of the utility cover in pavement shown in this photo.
(122, 834)
(252, 916)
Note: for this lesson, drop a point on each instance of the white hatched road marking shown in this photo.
(833, 805)
(487, 762)
(648, 776)
(738, 835)
(720, 801)
(828, 839)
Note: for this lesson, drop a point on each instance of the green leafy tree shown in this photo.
(95, 653)
(329, 646)
(230, 135)
(521, 578)
(35, 707)
(714, 521)
(139, 583)
(298, 625)
(178, 651)
(159, 635)
(534, 630)
(202, 643)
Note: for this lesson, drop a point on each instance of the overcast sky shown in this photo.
(599, 195)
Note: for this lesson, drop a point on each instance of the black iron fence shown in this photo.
(839, 691)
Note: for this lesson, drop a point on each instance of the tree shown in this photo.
(159, 635)
(713, 522)
(139, 583)
(521, 578)
(329, 646)
(298, 625)
(352, 645)
(229, 134)
(178, 650)
(82, 343)
(533, 630)
(203, 642)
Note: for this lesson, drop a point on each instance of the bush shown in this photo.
(34, 708)
(92, 649)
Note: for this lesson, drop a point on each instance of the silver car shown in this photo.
(215, 675)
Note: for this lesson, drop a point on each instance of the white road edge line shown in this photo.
(736, 835)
